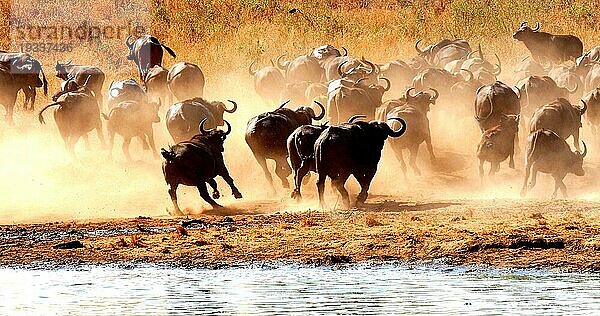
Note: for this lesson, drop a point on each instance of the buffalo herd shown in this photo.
(332, 113)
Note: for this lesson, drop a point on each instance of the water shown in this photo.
(355, 289)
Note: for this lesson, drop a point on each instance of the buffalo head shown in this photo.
(525, 31)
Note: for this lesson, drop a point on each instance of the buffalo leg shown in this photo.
(494, 168)
(100, 134)
(338, 184)
(125, 147)
(283, 170)
(224, 173)
(414, 151)
(150, 135)
(398, 153)
(559, 184)
(576, 140)
(111, 142)
(32, 96)
(481, 171)
(9, 115)
(430, 149)
(216, 195)
(299, 176)
(365, 183)
(527, 173)
(321, 189)
(204, 194)
(534, 171)
(511, 156)
(173, 194)
(263, 164)
(86, 141)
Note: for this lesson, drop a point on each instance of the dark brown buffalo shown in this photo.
(301, 150)
(196, 162)
(26, 72)
(146, 52)
(268, 82)
(559, 116)
(9, 88)
(183, 118)
(351, 149)
(267, 133)
(492, 102)
(66, 86)
(185, 81)
(76, 114)
(497, 144)
(345, 101)
(132, 119)
(549, 153)
(82, 74)
(537, 91)
(547, 47)
(156, 85)
(413, 110)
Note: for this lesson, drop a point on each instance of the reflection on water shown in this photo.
(356, 289)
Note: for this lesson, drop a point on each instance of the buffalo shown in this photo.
(357, 99)
(444, 52)
(497, 144)
(156, 84)
(548, 153)
(26, 72)
(492, 102)
(125, 90)
(528, 67)
(81, 74)
(268, 82)
(546, 47)
(559, 116)
(146, 52)
(302, 68)
(183, 117)
(413, 110)
(185, 81)
(351, 149)
(9, 88)
(76, 114)
(267, 134)
(592, 99)
(196, 162)
(537, 91)
(132, 119)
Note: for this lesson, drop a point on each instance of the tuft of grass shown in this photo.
(372, 220)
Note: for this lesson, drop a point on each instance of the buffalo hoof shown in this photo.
(237, 195)
(511, 164)
(296, 196)
(360, 199)
(216, 195)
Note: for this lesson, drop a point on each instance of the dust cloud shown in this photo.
(40, 182)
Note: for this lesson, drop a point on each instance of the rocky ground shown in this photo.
(560, 234)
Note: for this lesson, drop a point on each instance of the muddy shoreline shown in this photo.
(559, 235)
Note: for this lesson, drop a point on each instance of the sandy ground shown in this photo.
(556, 234)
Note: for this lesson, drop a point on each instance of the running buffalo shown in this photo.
(146, 52)
(183, 118)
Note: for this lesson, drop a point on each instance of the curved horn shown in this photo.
(402, 129)
(233, 109)
(322, 114)
(250, 71)
(497, 67)
(272, 63)
(417, 47)
(583, 108)
(370, 64)
(537, 27)
(345, 52)
(407, 93)
(471, 76)
(573, 91)
(523, 24)
(356, 117)
(202, 130)
(228, 127)
(470, 55)
(584, 150)
(279, 64)
(127, 41)
(436, 94)
(86, 80)
(68, 62)
(339, 69)
(389, 83)
(283, 104)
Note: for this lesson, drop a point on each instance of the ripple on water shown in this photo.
(355, 289)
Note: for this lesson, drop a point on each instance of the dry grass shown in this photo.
(372, 219)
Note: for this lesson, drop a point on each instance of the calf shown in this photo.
(351, 149)
(197, 162)
(132, 119)
(547, 152)
(497, 144)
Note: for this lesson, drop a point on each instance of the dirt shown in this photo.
(555, 234)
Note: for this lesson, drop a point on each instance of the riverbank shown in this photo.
(560, 234)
